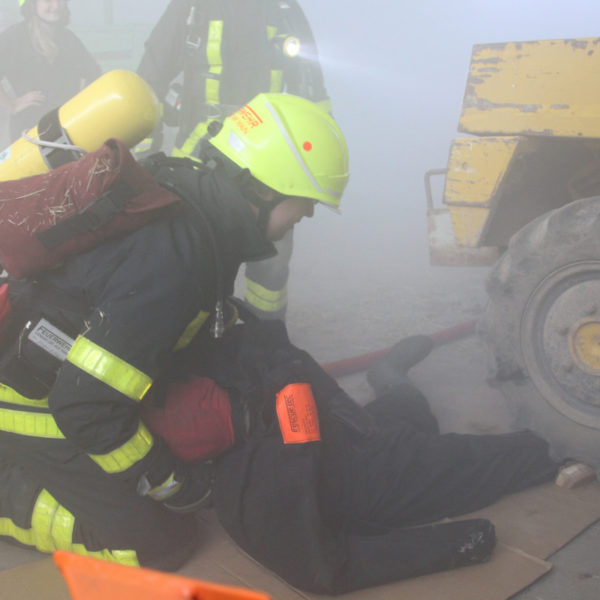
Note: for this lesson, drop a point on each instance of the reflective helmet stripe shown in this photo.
(292, 147)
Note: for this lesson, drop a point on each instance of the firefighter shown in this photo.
(206, 58)
(329, 495)
(79, 469)
(44, 62)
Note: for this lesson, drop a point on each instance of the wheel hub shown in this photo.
(584, 344)
(560, 340)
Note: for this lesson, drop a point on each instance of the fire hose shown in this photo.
(362, 362)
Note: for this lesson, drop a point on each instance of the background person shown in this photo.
(205, 59)
(44, 62)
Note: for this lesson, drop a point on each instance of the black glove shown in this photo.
(186, 490)
(195, 491)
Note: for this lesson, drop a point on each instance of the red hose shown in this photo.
(364, 361)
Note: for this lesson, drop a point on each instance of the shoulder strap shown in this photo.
(180, 176)
(95, 215)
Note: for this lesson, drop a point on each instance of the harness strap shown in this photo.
(50, 130)
(92, 217)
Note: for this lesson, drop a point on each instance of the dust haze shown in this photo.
(395, 72)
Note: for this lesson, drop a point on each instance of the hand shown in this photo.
(195, 491)
(34, 98)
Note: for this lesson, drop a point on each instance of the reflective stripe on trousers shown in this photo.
(51, 526)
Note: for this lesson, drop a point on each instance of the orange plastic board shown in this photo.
(94, 579)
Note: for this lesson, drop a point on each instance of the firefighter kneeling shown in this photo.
(129, 402)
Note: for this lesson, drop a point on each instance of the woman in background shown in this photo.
(44, 62)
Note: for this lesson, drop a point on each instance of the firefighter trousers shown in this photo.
(55, 498)
(407, 473)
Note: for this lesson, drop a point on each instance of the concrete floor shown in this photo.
(575, 571)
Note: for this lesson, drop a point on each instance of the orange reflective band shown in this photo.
(297, 414)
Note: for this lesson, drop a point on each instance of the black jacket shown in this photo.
(247, 56)
(140, 292)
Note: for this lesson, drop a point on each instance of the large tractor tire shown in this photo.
(542, 325)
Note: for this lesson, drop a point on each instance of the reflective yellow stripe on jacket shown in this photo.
(22, 422)
(11, 396)
(215, 61)
(276, 74)
(212, 86)
(41, 425)
(125, 378)
(269, 301)
(132, 451)
(191, 330)
(104, 366)
(109, 368)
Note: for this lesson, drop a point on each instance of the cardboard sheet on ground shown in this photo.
(530, 525)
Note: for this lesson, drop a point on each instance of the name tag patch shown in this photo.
(51, 339)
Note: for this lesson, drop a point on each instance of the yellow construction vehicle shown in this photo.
(523, 188)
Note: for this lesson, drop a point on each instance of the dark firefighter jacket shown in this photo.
(229, 55)
(133, 301)
(349, 508)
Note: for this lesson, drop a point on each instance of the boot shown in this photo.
(477, 542)
(389, 371)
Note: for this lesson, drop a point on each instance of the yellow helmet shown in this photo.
(289, 144)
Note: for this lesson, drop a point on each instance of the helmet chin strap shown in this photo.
(265, 207)
(208, 153)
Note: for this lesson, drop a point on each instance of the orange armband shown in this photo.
(297, 414)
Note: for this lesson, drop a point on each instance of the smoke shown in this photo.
(395, 73)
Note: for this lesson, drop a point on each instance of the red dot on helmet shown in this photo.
(307, 146)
